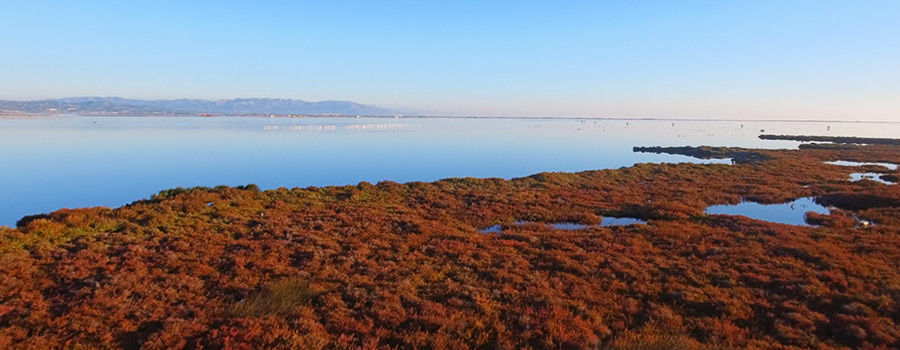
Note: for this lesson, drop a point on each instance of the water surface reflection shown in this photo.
(70, 161)
(791, 213)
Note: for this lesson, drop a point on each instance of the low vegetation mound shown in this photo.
(834, 139)
(737, 155)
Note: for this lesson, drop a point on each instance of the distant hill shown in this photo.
(117, 105)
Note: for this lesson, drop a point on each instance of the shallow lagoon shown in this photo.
(69, 161)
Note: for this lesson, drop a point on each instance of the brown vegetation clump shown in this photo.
(392, 265)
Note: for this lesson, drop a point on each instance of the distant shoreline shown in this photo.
(324, 116)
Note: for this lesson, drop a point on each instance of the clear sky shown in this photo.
(729, 59)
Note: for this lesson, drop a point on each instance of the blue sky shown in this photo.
(724, 59)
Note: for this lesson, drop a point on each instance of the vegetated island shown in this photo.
(706, 152)
(833, 139)
(406, 265)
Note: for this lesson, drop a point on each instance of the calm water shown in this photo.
(625, 221)
(866, 175)
(889, 166)
(791, 213)
(869, 176)
(56, 162)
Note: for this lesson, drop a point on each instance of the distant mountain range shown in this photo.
(123, 106)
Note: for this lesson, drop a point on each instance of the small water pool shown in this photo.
(570, 226)
(492, 229)
(791, 213)
(869, 176)
(623, 221)
(890, 166)
(608, 221)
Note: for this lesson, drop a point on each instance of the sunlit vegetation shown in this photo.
(405, 265)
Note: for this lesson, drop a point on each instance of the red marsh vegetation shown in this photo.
(392, 265)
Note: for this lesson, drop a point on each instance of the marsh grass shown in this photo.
(656, 338)
(281, 297)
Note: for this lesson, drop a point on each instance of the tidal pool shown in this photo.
(791, 213)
